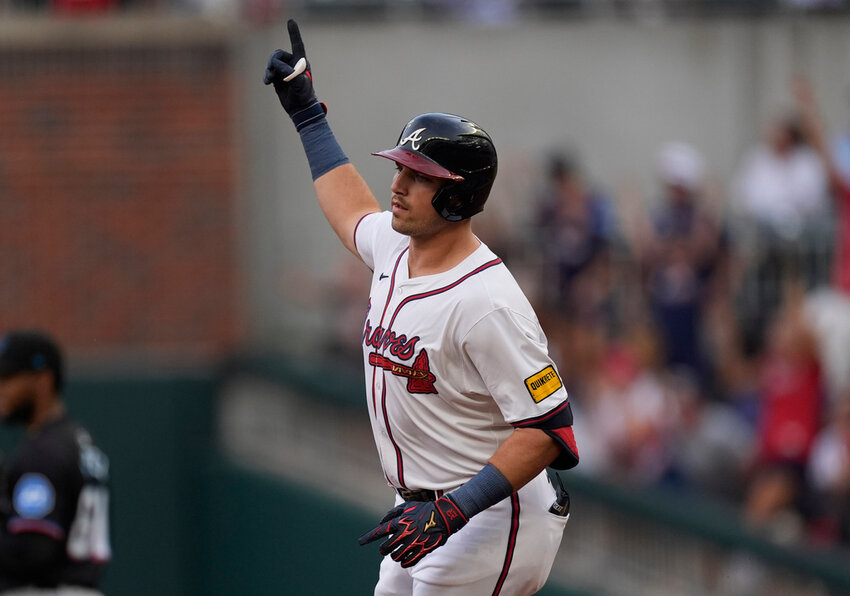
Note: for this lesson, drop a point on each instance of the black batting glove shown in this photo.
(415, 529)
(296, 95)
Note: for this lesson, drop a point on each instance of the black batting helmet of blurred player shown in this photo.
(23, 350)
(454, 149)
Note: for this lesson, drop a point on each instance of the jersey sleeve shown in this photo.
(373, 234)
(509, 352)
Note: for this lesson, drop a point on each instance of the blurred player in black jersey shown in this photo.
(54, 505)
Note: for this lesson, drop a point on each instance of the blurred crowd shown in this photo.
(704, 340)
(708, 349)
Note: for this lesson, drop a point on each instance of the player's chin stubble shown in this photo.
(415, 227)
(409, 228)
(400, 226)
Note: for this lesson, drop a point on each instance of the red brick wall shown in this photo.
(117, 185)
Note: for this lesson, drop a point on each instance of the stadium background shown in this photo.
(158, 217)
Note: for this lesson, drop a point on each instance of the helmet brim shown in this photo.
(418, 163)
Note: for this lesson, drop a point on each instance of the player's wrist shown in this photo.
(484, 490)
(308, 114)
(453, 517)
(320, 145)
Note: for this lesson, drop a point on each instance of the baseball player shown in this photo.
(54, 536)
(466, 406)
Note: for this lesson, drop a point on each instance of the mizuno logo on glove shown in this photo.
(431, 523)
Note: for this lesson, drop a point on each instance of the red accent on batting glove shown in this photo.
(415, 529)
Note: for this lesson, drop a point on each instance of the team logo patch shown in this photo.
(543, 384)
(34, 496)
(420, 379)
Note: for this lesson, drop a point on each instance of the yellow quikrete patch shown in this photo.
(543, 384)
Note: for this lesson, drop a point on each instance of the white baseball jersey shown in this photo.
(454, 362)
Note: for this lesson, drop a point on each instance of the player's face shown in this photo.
(413, 214)
(17, 396)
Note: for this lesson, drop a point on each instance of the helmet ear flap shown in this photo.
(457, 201)
(448, 204)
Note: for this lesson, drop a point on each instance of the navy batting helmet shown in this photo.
(454, 149)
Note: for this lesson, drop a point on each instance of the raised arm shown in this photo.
(343, 194)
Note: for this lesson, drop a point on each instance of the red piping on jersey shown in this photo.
(509, 553)
(487, 265)
(542, 417)
(399, 464)
(390, 293)
(374, 401)
(383, 314)
(19, 525)
(384, 385)
(357, 225)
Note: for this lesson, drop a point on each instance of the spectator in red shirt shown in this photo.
(789, 419)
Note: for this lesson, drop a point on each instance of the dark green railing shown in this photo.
(187, 521)
(695, 515)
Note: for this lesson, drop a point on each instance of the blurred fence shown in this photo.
(292, 419)
(629, 540)
(246, 482)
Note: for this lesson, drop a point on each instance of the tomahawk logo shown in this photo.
(420, 379)
(415, 138)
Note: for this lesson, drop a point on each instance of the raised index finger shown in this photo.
(295, 39)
